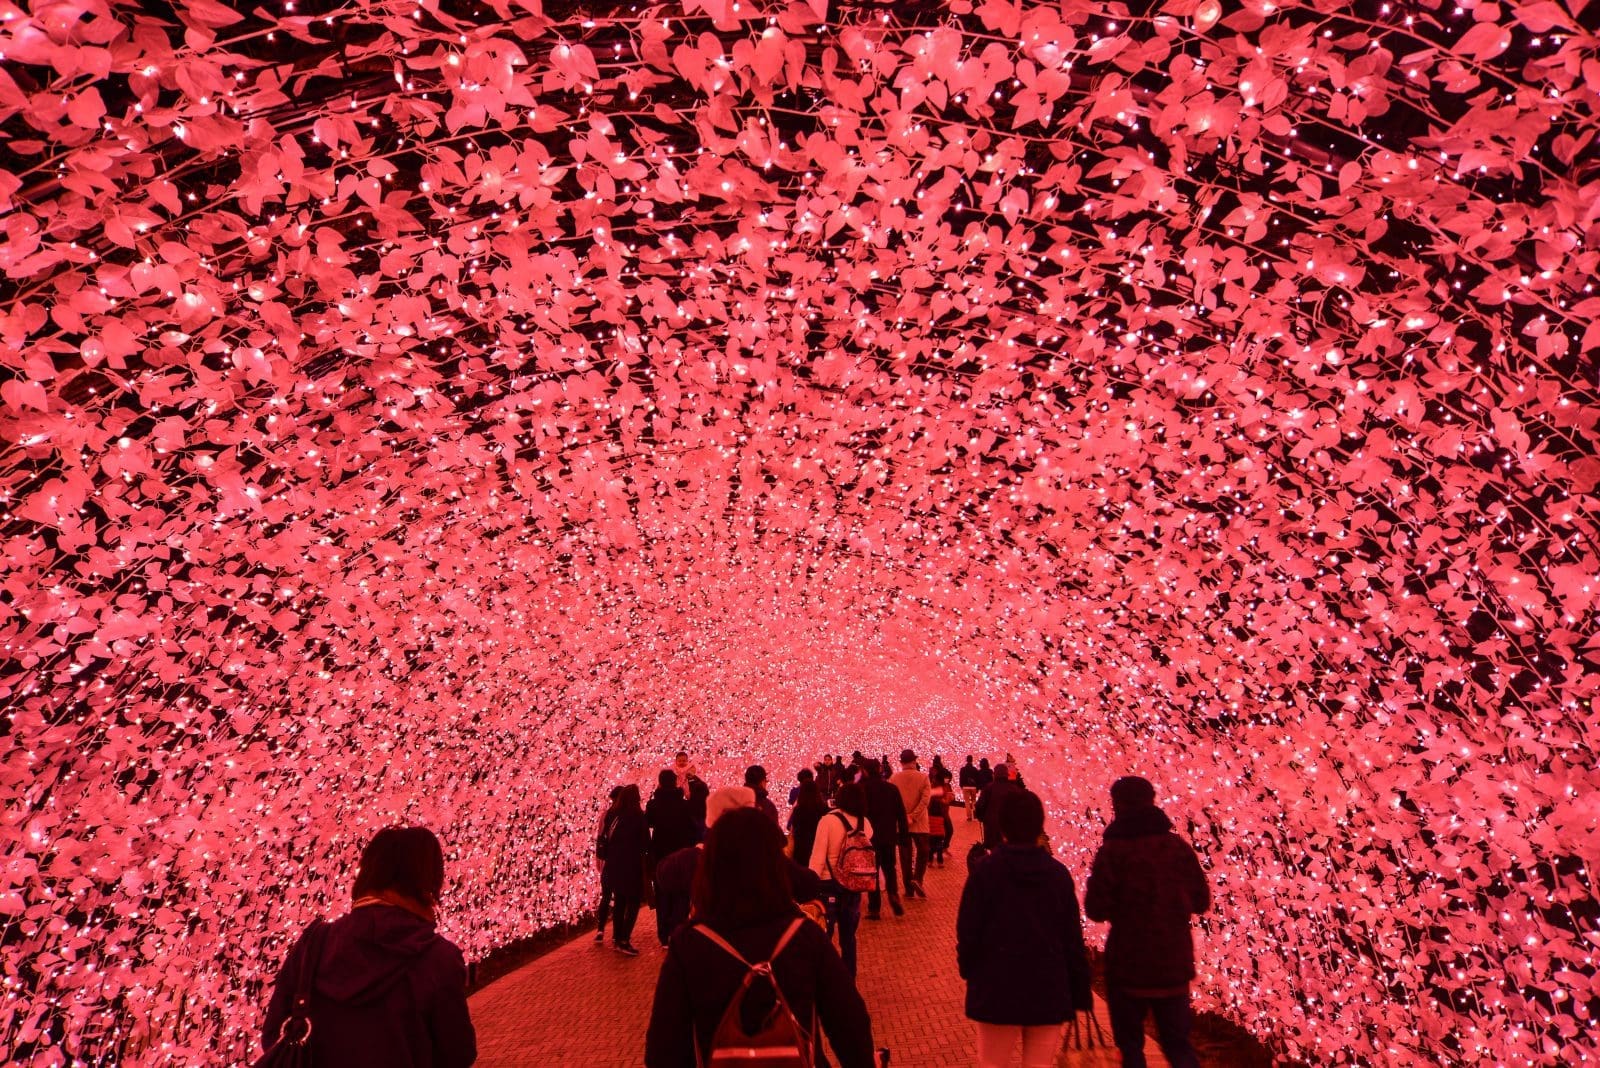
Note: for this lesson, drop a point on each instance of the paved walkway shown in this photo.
(586, 1006)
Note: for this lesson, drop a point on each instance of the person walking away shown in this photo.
(385, 988)
(937, 772)
(990, 802)
(828, 861)
(887, 813)
(745, 917)
(809, 808)
(671, 825)
(602, 912)
(626, 838)
(968, 778)
(1019, 943)
(699, 792)
(1146, 881)
(915, 793)
(755, 777)
(669, 818)
(675, 874)
(985, 774)
(938, 822)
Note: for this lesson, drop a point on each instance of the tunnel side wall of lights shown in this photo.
(440, 412)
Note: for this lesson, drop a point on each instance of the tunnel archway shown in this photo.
(440, 410)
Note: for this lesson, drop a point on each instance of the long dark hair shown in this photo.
(627, 799)
(742, 879)
(810, 794)
(852, 800)
(404, 860)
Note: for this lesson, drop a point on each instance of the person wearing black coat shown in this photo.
(669, 818)
(624, 840)
(808, 810)
(1019, 943)
(886, 811)
(755, 777)
(387, 990)
(676, 872)
(1147, 881)
(742, 895)
(990, 803)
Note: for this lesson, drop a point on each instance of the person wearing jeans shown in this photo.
(887, 813)
(1019, 943)
(624, 839)
(1147, 881)
(915, 793)
(844, 912)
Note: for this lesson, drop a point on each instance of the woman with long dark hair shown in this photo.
(745, 915)
(809, 808)
(624, 838)
(826, 855)
(385, 989)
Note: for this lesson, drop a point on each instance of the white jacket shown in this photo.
(830, 840)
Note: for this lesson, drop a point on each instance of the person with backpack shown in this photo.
(378, 986)
(1019, 943)
(843, 854)
(624, 840)
(751, 981)
(1147, 881)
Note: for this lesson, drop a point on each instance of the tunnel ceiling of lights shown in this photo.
(440, 411)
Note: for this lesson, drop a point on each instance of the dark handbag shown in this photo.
(293, 1047)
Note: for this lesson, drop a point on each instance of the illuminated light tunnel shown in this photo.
(440, 410)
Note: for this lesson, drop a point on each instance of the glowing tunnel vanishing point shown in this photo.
(440, 411)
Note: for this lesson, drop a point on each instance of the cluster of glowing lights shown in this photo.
(441, 411)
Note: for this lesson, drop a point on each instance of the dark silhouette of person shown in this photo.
(990, 802)
(1147, 881)
(886, 811)
(624, 840)
(742, 897)
(1019, 942)
(386, 989)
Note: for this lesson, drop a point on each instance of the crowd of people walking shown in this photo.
(760, 914)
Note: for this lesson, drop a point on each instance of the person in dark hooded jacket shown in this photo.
(388, 991)
(670, 819)
(991, 800)
(1147, 881)
(1019, 942)
(624, 841)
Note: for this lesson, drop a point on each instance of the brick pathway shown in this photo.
(585, 1005)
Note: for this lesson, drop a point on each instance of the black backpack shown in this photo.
(780, 1041)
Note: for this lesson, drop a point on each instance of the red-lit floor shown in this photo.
(585, 1006)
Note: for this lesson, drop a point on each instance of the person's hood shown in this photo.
(1139, 823)
(371, 950)
(1024, 863)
